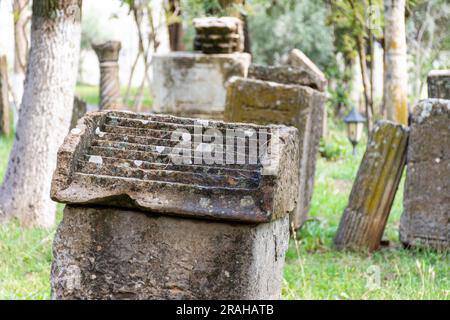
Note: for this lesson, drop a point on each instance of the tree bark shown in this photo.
(4, 101)
(45, 112)
(395, 68)
(21, 46)
(374, 189)
(366, 84)
(175, 28)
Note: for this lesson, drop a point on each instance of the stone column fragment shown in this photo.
(264, 102)
(193, 84)
(439, 84)
(141, 224)
(373, 192)
(4, 101)
(108, 56)
(426, 202)
(219, 35)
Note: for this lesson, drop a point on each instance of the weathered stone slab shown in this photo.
(4, 101)
(108, 56)
(439, 84)
(287, 75)
(218, 35)
(426, 202)
(373, 192)
(263, 102)
(193, 84)
(79, 110)
(107, 253)
(129, 160)
(298, 59)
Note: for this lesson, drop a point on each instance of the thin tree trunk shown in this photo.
(366, 83)
(45, 113)
(21, 46)
(175, 28)
(395, 68)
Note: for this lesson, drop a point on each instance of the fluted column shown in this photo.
(108, 56)
(374, 189)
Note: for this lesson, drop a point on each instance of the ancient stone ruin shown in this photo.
(4, 101)
(150, 216)
(193, 83)
(284, 95)
(439, 84)
(108, 56)
(373, 192)
(426, 202)
(218, 35)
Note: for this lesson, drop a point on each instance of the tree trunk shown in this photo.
(4, 101)
(366, 83)
(395, 68)
(21, 32)
(175, 28)
(45, 113)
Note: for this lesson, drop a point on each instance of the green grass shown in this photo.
(313, 269)
(90, 94)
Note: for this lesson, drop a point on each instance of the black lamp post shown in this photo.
(355, 125)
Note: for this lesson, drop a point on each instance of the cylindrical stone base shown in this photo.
(108, 253)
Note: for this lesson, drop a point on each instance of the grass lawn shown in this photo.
(313, 269)
(91, 95)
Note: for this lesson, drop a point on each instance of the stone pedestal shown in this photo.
(288, 98)
(192, 84)
(426, 216)
(108, 56)
(140, 225)
(439, 84)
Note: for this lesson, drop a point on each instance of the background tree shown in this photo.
(45, 113)
(395, 67)
(428, 38)
(22, 19)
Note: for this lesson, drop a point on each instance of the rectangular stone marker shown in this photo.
(426, 202)
(143, 223)
(4, 102)
(193, 84)
(439, 84)
(373, 192)
(264, 102)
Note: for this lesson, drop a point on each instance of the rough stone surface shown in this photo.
(219, 35)
(193, 84)
(287, 75)
(373, 192)
(439, 84)
(4, 101)
(107, 253)
(79, 110)
(108, 56)
(298, 59)
(125, 159)
(263, 102)
(426, 202)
